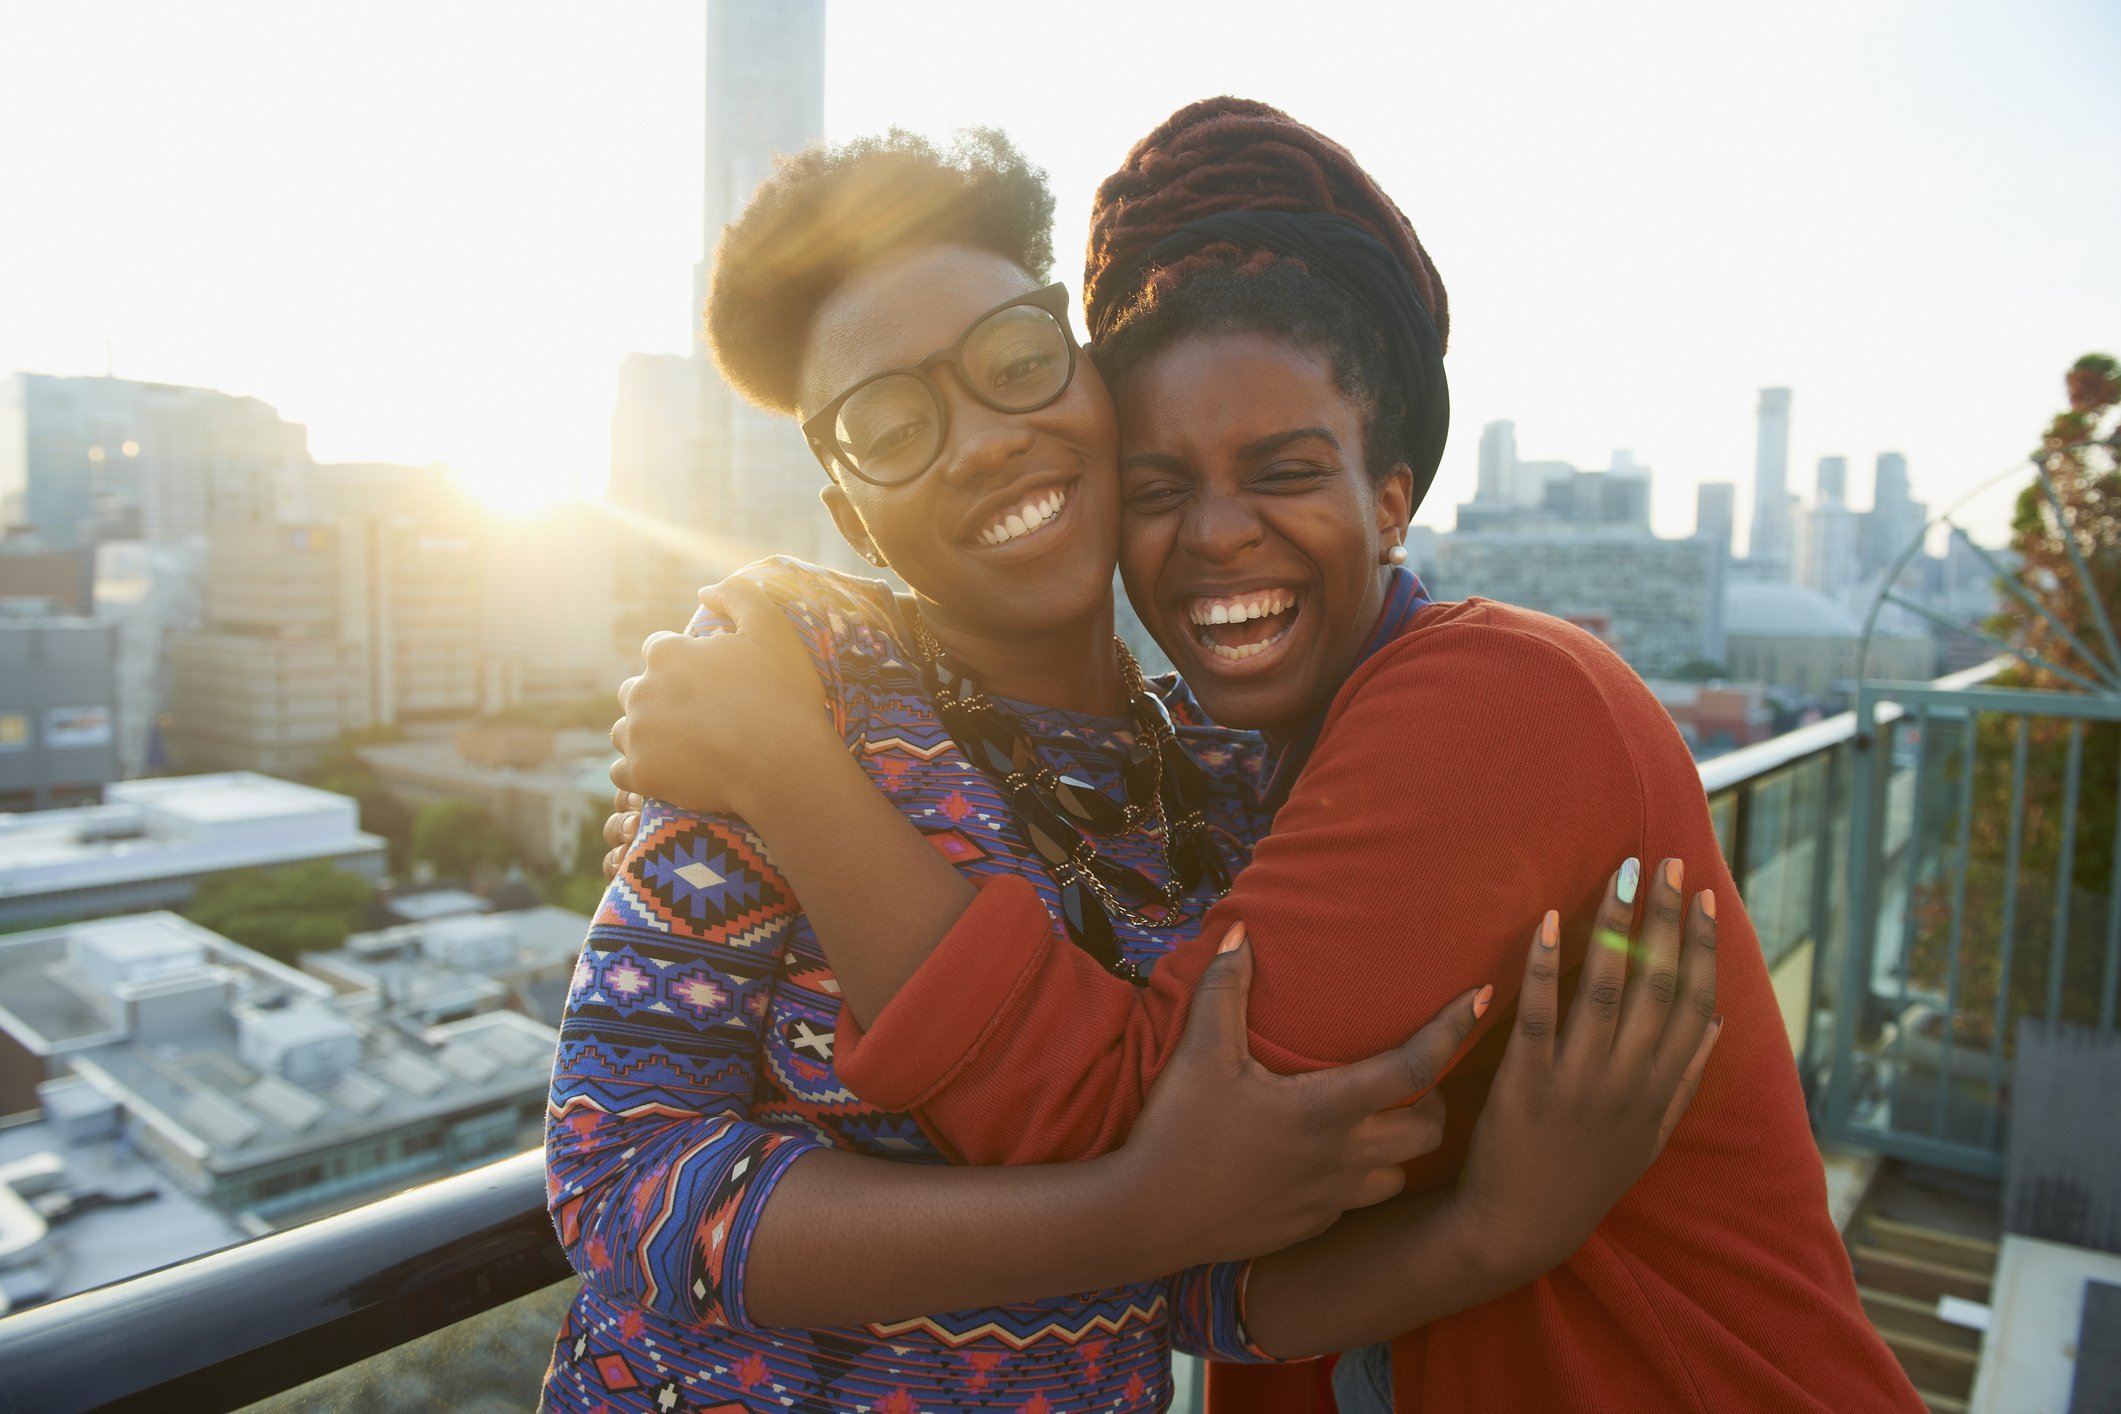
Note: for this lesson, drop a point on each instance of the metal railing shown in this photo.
(237, 1326)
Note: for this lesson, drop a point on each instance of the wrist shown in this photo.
(786, 764)
(1124, 1203)
(1494, 1256)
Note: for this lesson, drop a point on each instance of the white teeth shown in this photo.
(1242, 651)
(1238, 608)
(1030, 516)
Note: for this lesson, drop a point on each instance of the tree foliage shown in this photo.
(461, 839)
(2078, 454)
(284, 912)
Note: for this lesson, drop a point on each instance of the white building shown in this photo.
(1828, 550)
(1792, 637)
(1773, 531)
(152, 842)
(1715, 512)
(1659, 601)
(250, 1090)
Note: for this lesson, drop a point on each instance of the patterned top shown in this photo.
(696, 1062)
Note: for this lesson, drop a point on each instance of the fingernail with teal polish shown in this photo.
(1630, 875)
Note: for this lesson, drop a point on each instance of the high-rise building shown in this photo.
(314, 630)
(1498, 462)
(106, 458)
(1828, 544)
(1715, 511)
(1773, 532)
(721, 481)
(1833, 481)
(58, 707)
(1660, 600)
(1605, 500)
(150, 594)
(1895, 517)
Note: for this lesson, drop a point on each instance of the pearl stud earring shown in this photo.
(1396, 555)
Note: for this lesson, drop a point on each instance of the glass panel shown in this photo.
(492, 1361)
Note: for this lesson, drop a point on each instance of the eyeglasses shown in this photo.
(890, 427)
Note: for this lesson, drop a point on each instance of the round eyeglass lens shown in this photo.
(1016, 359)
(891, 428)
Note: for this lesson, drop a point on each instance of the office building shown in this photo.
(58, 707)
(1828, 549)
(544, 788)
(151, 843)
(1895, 517)
(721, 482)
(1498, 462)
(27, 571)
(445, 969)
(1773, 531)
(256, 1089)
(1833, 481)
(1601, 500)
(549, 608)
(1715, 512)
(315, 630)
(149, 594)
(1797, 639)
(1657, 598)
(108, 458)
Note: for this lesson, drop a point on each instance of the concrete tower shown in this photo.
(1773, 532)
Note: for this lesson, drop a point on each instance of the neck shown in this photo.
(1069, 666)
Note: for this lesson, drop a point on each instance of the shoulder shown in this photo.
(1481, 653)
(843, 617)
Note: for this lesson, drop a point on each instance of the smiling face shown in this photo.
(1252, 533)
(1013, 529)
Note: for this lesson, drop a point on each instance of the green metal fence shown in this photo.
(1984, 843)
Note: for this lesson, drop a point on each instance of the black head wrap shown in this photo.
(1339, 250)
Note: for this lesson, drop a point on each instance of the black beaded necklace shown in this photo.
(1167, 793)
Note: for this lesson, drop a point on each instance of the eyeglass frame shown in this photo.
(825, 446)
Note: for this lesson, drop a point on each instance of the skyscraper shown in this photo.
(724, 482)
(1498, 462)
(1833, 481)
(1715, 510)
(1772, 529)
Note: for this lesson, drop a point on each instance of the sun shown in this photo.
(521, 486)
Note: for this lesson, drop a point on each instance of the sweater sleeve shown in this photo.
(1470, 777)
(655, 1174)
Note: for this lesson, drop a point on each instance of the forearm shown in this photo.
(904, 1240)
(1375, 1274)
(878, 895)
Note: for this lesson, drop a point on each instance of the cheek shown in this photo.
(1144, 547)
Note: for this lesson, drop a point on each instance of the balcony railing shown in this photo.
(377, 1284)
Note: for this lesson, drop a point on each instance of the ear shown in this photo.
(1395, 506)
(848, 519)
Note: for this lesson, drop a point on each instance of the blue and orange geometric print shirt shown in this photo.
(696, 1062)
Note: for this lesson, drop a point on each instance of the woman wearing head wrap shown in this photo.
(1272, 332)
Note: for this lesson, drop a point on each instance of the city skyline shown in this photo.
(1631, 256)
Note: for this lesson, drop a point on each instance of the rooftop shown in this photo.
(177, 827)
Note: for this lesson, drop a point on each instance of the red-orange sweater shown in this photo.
(1487, 765)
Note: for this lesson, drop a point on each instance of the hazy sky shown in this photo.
(430, 231)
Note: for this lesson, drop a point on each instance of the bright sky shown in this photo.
(431, 231)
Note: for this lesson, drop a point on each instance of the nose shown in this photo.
(1219, 526)
(982, 441)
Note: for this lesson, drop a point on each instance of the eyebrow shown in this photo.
(1257, 447)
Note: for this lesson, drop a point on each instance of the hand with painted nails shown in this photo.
(1230, 1160)
(1581, 1108)
(708, 718)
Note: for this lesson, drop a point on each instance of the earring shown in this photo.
(1396, 555)
(874, 556)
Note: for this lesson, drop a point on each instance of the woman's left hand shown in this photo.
(1571, 1123)
(708, 718)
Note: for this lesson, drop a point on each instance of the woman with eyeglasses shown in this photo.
(1272, 333)
(750, 1234)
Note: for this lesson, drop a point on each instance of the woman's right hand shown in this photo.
(1579, 1109)
(1230, 1160)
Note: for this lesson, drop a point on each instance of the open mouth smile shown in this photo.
(1235, 628)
